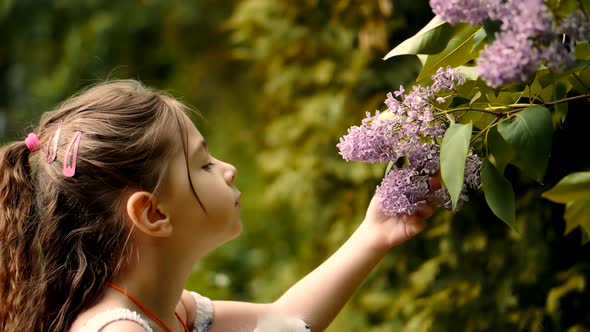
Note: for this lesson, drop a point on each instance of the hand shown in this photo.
(387, 231)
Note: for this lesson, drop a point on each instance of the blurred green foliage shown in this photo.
(278, 82)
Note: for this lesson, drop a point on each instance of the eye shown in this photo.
(208, 166)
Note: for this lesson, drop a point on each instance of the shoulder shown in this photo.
(123, 326)
(199, 310)
(118, 319)
(188, 303)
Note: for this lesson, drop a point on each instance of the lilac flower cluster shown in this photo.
(409, 130)
(529, 37)
(455, 11)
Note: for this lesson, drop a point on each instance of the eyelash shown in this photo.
(208, 166)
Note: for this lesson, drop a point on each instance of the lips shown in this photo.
(237, 204)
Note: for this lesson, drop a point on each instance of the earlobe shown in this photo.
(143, 211)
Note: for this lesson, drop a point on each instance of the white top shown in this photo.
(203, 317)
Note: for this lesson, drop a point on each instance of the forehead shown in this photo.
(195, 139)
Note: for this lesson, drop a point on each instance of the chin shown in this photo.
(237, 230)
(233, 230)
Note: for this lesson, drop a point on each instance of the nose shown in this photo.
(230, 174)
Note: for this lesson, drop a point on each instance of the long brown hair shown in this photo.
(62, 238)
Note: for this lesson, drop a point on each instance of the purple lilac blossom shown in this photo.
(473, 171)
(425, 158)
(372, 142)
(409, 118)
(527, 17)
(557, 58)
(403, 191)
(529, 36)
(408, 128)
(509, 58)
(576, 26)
(455, 11)
(442, 198)
(446, 79)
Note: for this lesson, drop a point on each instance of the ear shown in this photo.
(143, 211)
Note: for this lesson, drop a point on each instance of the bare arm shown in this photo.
(319, 296)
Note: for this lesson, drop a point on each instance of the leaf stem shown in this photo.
(565, 100)
(483, 131)
(468, 109)
(490, 109)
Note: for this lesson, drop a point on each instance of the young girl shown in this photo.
(106, 207)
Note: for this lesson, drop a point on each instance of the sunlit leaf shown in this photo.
(574, 186)
(583, 51)
(575, 283)
(577, 213)
(469, 72)
(429, 40)
(389, 166)
(458, 51)
(453, 155)
(561, 8)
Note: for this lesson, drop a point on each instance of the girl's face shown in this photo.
(217, 219)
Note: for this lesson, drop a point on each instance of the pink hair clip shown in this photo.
(32, 142)
(52, 146)
(70, 162)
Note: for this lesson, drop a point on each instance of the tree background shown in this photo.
(278, 83)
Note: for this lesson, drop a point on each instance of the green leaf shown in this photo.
(560, 91)
(577, 213)
(574, 191)
(5, 7)
(499, 149)
(389, 166)
(572, 187)
(469, 72)
(503, 98)
(546, 77)
(478, 39)
(583, 51)
(471, 87)
(529, 133)
(453, 155)
(480, 120)
(429, 40)
(459, 51)
(475, 97)
(498, 193)
(574, 282)
(561, 8)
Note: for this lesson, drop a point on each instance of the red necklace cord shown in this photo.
(148, 311)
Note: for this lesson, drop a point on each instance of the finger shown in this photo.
(435, 182)
(425, 211)
(415, 225)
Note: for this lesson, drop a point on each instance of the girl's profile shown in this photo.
(109, 202)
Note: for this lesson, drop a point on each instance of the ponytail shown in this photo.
(20, 261)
